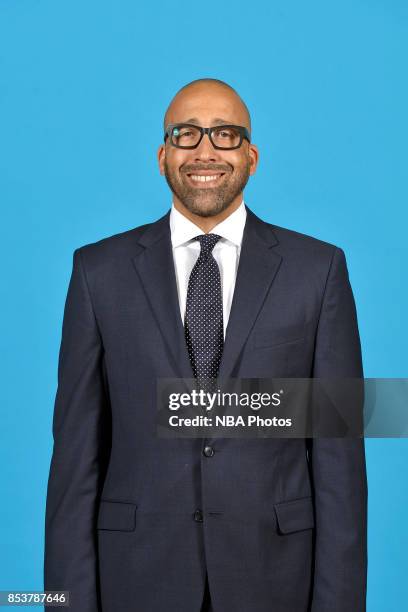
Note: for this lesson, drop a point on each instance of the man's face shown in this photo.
(206, 106)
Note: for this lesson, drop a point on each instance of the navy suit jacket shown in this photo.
(282, 526)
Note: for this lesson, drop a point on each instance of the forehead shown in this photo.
(207, 105)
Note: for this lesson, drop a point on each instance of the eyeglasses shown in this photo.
(189, 136)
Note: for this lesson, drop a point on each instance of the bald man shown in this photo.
(139, 523)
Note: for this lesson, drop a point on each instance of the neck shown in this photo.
(206, 224)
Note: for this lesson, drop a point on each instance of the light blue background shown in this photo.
(83, 88)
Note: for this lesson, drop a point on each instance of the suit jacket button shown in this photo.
(198, 516)
(208, 451)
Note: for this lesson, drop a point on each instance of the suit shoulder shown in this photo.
(112, 247)
(116, 240)
(293, 240)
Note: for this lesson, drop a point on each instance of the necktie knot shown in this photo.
(207, 242)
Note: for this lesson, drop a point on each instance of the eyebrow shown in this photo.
(217, 121)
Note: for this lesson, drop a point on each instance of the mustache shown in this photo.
(190, 168)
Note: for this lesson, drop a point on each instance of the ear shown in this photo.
(253, 158)
(161, 154)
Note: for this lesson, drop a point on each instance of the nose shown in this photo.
(205, 151)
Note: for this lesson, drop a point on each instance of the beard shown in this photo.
(207, 201)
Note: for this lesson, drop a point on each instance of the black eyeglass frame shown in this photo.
(243, 132)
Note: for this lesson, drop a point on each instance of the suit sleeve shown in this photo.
(338, 464)
(81, 438)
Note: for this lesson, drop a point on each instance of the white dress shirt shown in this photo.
(226, 253)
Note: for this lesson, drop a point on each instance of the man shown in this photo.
(135, 522)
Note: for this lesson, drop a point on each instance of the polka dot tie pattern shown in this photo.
(203, 322)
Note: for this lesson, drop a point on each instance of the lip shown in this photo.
(205, 173)
(200, 183)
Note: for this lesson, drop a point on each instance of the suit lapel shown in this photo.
(257, 268)
(258, 265)
(154, 264)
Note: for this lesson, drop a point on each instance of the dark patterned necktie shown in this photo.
(203, 322)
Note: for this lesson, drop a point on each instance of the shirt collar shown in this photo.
(232, 228)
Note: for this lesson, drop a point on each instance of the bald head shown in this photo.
(207, 93)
